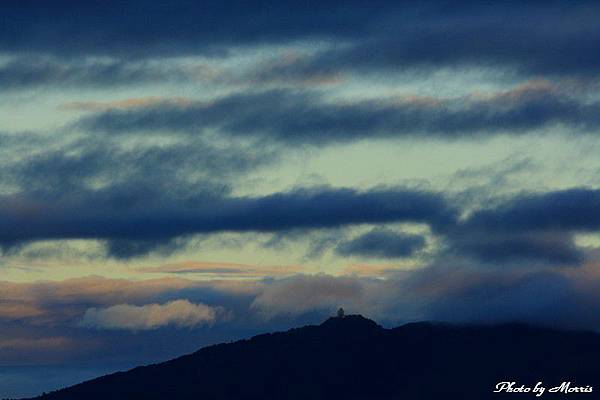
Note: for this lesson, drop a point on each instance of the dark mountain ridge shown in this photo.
(354, 358)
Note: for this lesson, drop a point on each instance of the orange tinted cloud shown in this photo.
(225, 269)
(126, 103)
(180, 313)
(53, 302)
(48, 343)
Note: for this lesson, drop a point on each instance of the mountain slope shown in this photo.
(354, 358)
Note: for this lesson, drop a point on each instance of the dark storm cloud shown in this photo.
(148, 214)
(178, 27)
(45, 176)
(382, 243)
(152, 195)
(571, 210)
(304, 117)
(519, 249)
(534, 229)
(528, 39)
(532, 37)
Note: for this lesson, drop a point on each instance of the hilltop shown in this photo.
(355, 358)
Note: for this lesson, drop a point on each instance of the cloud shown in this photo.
(30, 72)
(15, 309)
(518, 248)
(37, 171)
(570, 210)
(148, 216)
(60, 303)
(55, 302)
(451, 292)
(382, 243)
(80, 164)
(528, 229)
(535, 229)
(116, 318)
(303, 117)
(303, 293)
(531, 38)
(174, 28)
(509, 37)
(23, 347)
(124, 249)
(39, 343)
(458, 293)
(224, 269)
(179, 313)
(134, 217)
(125, 104)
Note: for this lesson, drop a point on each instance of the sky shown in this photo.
(176, 174)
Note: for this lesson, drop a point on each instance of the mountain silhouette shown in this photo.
(352, 357)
